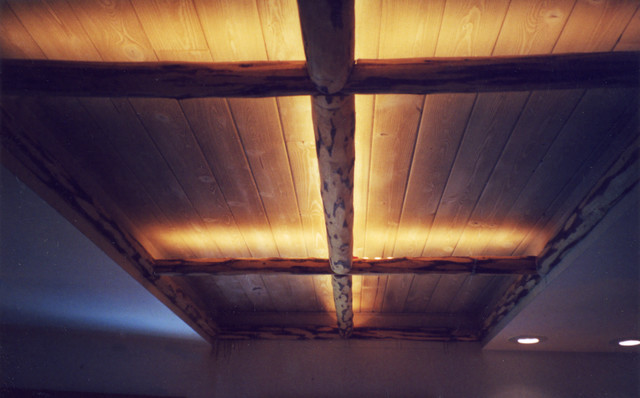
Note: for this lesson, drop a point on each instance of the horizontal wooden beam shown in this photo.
(524, 265)
(155, 79)
(481, 74)
(333, 333)
(283, 78)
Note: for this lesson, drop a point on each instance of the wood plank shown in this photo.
(470, 28)
(15, 41)
(606, 20)
(409, 29)
(630, 39)
(297, 126)
(532, 27)
(328, 35)
(170, 132)
(45, 176)
(233, 29)
(65, 128)
(173, 29)
(214, 129)
(314, 266)
(543, 117)
(367, 31)
(56, 30)
(488, 128)
(261, 134)
(367, 28)
(265, 79)
(586, 129)
(443, 121)
(114, 29)
(619, 137)
(281, 29)
(334, 124)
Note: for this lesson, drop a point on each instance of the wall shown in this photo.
(122, 363)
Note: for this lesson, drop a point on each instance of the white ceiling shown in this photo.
(50, 274)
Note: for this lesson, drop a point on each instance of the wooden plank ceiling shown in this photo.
(438, 175)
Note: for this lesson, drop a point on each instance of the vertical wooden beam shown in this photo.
(334, 123)
(328, 28)
(343, 299)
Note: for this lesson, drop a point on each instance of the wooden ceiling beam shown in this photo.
(328, 34)
(524, 265)
(285, 78)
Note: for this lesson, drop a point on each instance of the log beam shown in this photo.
(282, 78)
(332, 333)
(525, 265)
(334, 124)
(328, 28)
(343, 299)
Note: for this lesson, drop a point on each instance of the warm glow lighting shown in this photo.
(378, 258)
(629, 343)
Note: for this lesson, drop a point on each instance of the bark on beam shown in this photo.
(328, 28)
(525, 265)
(328, 32)
(334, 123)
(281, 78)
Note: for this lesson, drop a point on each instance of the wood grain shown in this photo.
(114, 30)
(56, 30)
(15, 40)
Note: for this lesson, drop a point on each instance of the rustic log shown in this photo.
(482, 74)
(524, 265)
(42, 172)
(328, 28)
(621, 178)
(281, 78)
(332, 333)
(344, 303)
(157, 79)
(334, 124)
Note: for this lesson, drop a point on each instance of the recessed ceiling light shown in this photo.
(527, 340)
(628, 342)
